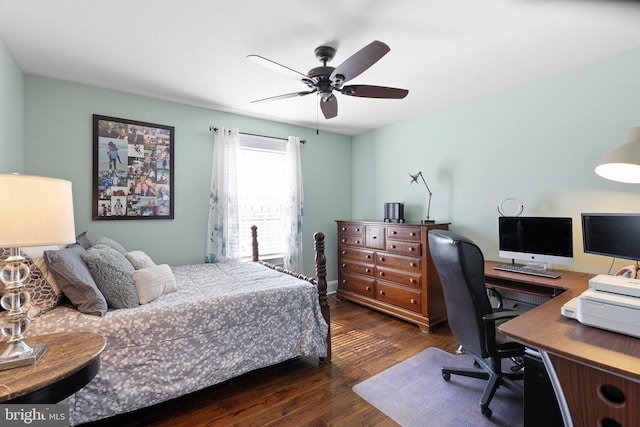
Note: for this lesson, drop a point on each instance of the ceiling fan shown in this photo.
(324, 80)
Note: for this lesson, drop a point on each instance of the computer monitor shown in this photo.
(537, 240)
(613, 235)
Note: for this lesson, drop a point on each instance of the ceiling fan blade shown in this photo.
(360, 61)
(368, 91)
(285, 96)
(277, 67)
(329, 107)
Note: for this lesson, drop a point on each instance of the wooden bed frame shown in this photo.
(320, 282)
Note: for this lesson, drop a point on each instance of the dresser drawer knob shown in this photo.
(374, 237)
(394, 232)
(413, 301)
(344, 252)
(381, 292)
(412, 264)
(381, 259)
(344, 282)
(344, 265)
(344, 229)
(357, 229)
(393, 246)
(368, 257)
(344, 240)
(411, 249)
(411, 281)
(367, 270)
(381, 274)
(367, 288)
(412, 234)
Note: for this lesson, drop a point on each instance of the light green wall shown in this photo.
(59, 143)
(538, 142)
(11, 113)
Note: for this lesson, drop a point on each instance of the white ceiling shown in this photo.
(194, 51)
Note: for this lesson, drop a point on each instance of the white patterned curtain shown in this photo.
(223, 241)
(293, 209)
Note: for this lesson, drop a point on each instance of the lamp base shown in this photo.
(38, 351)
(427, 221)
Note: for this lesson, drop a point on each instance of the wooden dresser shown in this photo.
(386, 266)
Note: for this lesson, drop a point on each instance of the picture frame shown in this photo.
(133, 173)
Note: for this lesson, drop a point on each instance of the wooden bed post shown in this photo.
(254, 243)
(321, 277)
(320, 281)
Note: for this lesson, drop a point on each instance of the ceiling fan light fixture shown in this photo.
(324, 79)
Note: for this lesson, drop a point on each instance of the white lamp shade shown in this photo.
(35, 211)
(623, 163)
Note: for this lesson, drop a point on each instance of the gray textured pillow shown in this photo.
(74, 278)
(111, 243)
(111, 272)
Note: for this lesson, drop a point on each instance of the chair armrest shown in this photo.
(500, 315)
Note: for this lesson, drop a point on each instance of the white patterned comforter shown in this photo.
(225, 320)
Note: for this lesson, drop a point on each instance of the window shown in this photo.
(261, 178)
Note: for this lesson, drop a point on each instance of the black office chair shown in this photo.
(460, 265)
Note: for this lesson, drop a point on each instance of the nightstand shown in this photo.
(71, 361)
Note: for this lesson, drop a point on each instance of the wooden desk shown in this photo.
(584, 358)
(71, 361)
(535, 285)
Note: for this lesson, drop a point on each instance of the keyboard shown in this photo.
(515, 268)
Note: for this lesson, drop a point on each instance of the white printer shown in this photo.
(611, 303)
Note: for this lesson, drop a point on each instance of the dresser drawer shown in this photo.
(357, 284)
(351, 240)
(399, 277)
(409, 248)
(400, 297)
(407, 263)
(353, 229)
(374, 237)
(356, 267)
(403, 233)
(356, 254)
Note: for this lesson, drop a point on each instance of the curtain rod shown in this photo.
(215, 129)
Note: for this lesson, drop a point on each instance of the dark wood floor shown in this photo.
(302, 392)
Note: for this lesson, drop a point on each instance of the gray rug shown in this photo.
(413, 393)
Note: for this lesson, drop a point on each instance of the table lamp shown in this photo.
(414, 179)
(36, 211)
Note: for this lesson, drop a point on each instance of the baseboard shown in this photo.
(332, 287)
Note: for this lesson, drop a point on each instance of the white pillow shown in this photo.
(151, 282)
(139, 260)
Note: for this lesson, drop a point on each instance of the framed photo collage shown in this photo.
(133, 169)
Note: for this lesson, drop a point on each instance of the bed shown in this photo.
(223, 320)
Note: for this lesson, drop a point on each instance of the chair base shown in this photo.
(495, 378)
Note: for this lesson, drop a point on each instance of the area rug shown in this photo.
(413, 393)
